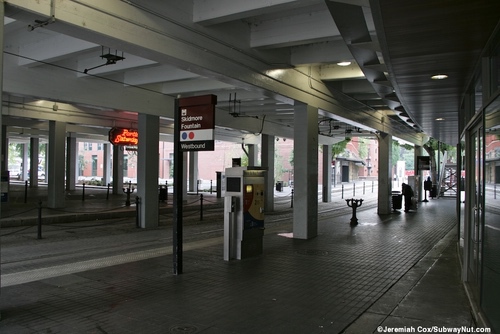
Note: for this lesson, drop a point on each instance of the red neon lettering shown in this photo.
(126, 137)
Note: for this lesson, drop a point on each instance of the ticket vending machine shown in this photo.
(243, 212)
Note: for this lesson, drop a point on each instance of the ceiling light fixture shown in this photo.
(439, 77)
(344, 63)
(440, 119)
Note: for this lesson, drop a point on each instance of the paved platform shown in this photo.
(394, 270)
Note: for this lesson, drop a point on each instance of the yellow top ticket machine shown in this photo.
(243, 212)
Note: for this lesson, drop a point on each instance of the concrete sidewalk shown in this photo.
(394, 270)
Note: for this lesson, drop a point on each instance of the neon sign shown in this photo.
(121, 136)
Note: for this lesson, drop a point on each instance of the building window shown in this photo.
(94, 165)
(125, 165)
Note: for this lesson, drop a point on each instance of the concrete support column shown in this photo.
(71, 162)
(106, 164)
(3, 135)
(117, 169)
(24, 175)
(385, 173)
(33, 167)
(327, 173)
(419, 181)
(193, 171)
(56, 164)
(147, 171)
(252, 154)
(4, 163)
(305, 148)
(267, 159)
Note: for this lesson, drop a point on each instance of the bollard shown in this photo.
(107, 194)
(137, 212)
(83, 192)
(373, 183)
(128, 191)
(342, 191)
(494, 191)
(201, 207)
(166, 185)
(363, 187)
(26, 192)
(354, 204)
(353, 189)
(39, 220)
(210, 186)
(291, 202)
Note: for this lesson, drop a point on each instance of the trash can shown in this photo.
(5, 179)
(279, 186)
(397, 200)
(163, 194)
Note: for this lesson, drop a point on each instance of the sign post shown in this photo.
(194, 124)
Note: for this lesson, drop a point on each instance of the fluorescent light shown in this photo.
(439, 77)
(344, 63)
(440, 119)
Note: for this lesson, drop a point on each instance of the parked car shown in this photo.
(41, 173)
(15, 174)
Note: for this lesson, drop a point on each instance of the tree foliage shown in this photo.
(362, 148)
(433, 147)
(396, 152)
(16, 152)
(408, 156)
(339, 148)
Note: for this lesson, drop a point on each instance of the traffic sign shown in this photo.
(197, 123)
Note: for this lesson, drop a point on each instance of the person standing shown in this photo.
(407, 193)
(427, 187)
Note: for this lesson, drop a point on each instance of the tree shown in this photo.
(432, 148)
(362, 148)
(15, 153)
(81, 164)
(408, 155)
(396, 155)
(278, 166)
(244, 160)
(339, 148)
(396, 152)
